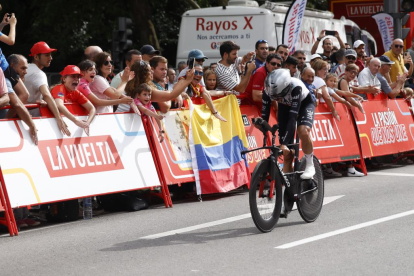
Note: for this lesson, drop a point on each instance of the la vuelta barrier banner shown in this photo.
(292, 24)
(115, 157)
(385, 24)
(387, 127)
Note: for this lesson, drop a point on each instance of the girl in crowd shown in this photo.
(210, 79)
(142, 105)
(344, 87)
(88, 70)
(67, 93)
(337, 94)
(100, 86)
(143, 74)
(321, 69)
(195, 89)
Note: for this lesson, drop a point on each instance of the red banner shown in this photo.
(385, 128)
(334, 140)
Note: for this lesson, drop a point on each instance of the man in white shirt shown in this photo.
(36, 83)
(368, 77)
(227, 72)
(131, 57)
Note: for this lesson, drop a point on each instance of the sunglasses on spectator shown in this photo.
(200, 60)
(262, 41)
(399, 46)
(106, 63)
(351, 57)
(198, 73)
(275, 64)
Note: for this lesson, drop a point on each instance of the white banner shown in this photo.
(385, 24)
(293, 22)
(115, 157)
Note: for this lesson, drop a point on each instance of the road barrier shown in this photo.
(122, 152)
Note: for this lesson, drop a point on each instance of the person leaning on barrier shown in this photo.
(307, 77)
(395, 55)
(88, 72)
(228, 77)
(19, 62)
(143, 74)
(255, 87)
(101, 87)
(37, 85)
(67, 93)
(395, 88)
(368, 77)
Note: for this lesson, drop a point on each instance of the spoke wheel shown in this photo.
(265, 197)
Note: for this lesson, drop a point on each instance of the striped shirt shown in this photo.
(228, 77)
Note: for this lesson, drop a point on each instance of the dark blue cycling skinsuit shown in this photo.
(296, 106)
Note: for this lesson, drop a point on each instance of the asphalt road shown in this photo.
(366, 229)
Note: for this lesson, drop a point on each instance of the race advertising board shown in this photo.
(386, 127)
(333, 140)
(115, 157)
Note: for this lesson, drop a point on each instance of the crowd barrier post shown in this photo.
(8, 219)
(152, 138)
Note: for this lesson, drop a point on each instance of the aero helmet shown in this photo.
(278, 84)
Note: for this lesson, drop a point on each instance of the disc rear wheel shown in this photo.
(310, 203)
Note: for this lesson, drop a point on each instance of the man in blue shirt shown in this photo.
(262, 51)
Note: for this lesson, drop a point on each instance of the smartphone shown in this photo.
(191, 63)
(9, 15)
(330, 33)
(253, 57)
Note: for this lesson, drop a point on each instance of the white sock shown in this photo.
(309, 159)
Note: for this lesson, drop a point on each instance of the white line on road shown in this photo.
(391, 174)
(344, 230)
(326, 200)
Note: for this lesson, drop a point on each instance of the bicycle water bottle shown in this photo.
(87, 208)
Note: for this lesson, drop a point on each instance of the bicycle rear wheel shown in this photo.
(265, 197)
(310, 204)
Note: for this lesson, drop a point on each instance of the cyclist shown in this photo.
(296, 105)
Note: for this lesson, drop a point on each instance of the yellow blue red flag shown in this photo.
(216, 146)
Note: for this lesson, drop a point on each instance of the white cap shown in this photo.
(358, 43)
(315, 56)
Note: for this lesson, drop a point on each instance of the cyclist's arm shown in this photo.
(292, 116)
(266, 107)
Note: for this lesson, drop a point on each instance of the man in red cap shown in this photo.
(36, 83)
(67, 93)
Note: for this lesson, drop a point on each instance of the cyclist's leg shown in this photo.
(282, 119)
(305, 122)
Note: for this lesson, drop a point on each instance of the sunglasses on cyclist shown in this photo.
(106, 63)
(198, 73)
(275, 64)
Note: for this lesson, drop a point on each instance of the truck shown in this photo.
(244, 22)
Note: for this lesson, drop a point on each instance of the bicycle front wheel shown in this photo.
(265, 197)
(310, 203)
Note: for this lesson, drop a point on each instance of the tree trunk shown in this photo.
(142, 13)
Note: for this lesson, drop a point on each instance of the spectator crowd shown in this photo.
(341, 74)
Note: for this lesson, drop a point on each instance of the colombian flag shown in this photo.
(215, 147)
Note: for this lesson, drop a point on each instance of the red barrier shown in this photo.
(385, 128)
(5, 206)
(333, 140)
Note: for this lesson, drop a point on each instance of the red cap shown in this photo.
(41, 48)
(71, 70)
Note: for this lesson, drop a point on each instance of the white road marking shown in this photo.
(344, 230)
(391, 174)
(217, 222)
